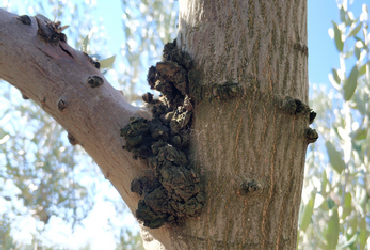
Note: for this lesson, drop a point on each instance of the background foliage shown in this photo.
(335, 209)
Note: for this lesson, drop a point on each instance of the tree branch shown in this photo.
(67, 84)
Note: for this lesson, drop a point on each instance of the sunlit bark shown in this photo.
(249, 151)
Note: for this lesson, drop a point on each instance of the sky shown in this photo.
(322, 57)
(322, 53)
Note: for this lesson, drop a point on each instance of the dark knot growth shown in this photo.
(173, 191)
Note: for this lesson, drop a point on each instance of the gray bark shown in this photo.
(250, 153)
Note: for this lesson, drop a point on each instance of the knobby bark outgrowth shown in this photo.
(248, 147)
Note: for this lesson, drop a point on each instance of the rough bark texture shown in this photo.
(260, 45)
(249, 151)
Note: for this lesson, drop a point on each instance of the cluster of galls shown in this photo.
(297, 107)
(173, 192)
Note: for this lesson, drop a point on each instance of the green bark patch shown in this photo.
(173, 192)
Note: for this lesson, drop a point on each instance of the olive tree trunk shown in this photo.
(249, 149)
(250, 152)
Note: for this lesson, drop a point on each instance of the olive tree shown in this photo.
(240, 71)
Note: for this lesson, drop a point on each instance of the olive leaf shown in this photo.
(338, 37)
(335, 157)
(350, 85)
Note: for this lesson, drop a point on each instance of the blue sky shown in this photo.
(322, 53)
